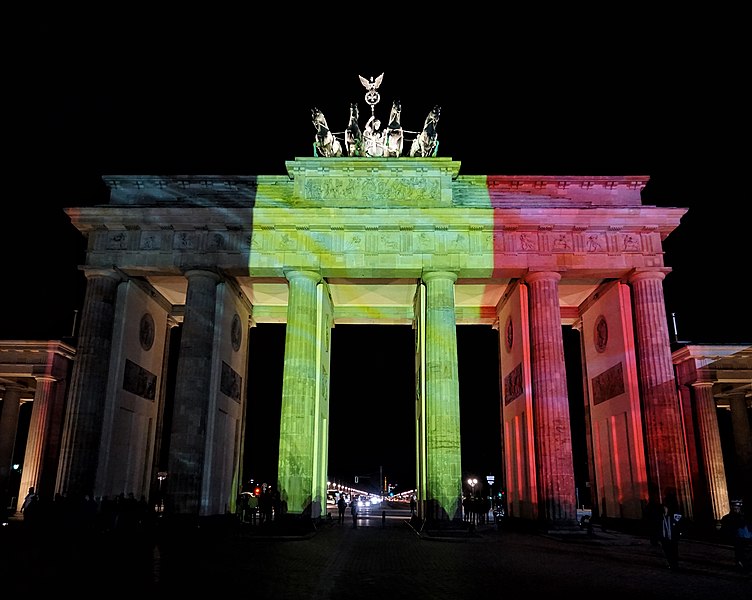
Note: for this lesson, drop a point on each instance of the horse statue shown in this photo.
(325, 143)
(393, 134)
(427, 143)
(353, 134)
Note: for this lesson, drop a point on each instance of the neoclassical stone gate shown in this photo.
(375, 240)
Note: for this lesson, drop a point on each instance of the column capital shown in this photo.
(429, 275)
(91, 272)
(533, 276)
(291, 274)
(49, 378)
(198, 271)
(652, 273)
(702, 383)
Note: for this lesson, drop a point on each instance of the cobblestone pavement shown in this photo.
(379, 559)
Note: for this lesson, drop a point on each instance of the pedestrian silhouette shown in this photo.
(735, 529)
(669, 536)
(341, 506)
(354, 511)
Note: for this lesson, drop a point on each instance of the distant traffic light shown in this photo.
(257, 491)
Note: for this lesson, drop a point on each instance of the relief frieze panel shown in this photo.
(354, 241)
(381, 239)
(370, 190)
(150, 240)
(457, 242)
(185, 240)
(608, 384)
(389, 241)
(117, 240)
(513, 384)
(216, 242)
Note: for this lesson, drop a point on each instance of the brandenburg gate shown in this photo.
(387, 240)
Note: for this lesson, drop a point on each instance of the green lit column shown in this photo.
(297, 443)
(444, 457)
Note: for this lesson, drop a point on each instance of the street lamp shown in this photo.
(491, 479)
(472, 482)
(161, 476)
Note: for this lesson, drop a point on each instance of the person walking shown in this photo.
(735, 529)
(354, 511)
(669, 536)
(341, 506)
(30, 507)
(30, 497)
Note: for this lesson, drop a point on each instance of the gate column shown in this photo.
(553, 436)
(297, 431)
(192, 389)
(444, 457)
(668, 472)
(91, 371)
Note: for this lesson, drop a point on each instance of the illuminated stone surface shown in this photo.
(371, 231)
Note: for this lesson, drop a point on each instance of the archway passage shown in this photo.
(372, 413)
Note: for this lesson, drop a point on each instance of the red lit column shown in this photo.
(710, 447)
(82, 432)
(553, 436)
(192, 388)
(668, 471)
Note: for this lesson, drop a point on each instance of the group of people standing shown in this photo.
(342, 508)
(264, 508)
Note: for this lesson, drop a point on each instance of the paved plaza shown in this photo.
(384, 557)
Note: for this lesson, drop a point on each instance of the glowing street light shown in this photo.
(472, 482)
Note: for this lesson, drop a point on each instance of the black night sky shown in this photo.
(154, 96)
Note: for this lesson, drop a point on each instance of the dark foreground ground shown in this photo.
(385, 557)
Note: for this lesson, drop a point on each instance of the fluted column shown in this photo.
(444, 456)
(83, 421)
(710, 447)
(553, 436)
(668, 472)
(742, 444)
(159, 462)
(192, 390)
(8, 429)
(36, 441)
(296, 431)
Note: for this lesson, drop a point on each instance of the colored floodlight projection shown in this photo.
(332, 239)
